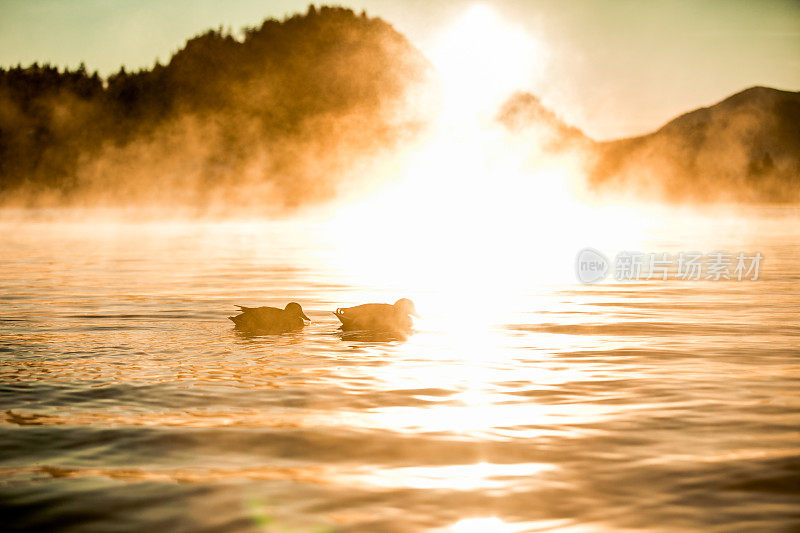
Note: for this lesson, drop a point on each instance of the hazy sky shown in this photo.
(613, 68)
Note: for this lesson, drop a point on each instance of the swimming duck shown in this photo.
(270, 320)
(378, 317)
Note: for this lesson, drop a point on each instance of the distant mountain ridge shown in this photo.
(744, 148)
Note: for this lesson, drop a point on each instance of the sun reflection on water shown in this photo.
(494, 524)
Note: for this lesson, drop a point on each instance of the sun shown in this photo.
(482, 58)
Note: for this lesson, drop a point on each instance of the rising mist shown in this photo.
(297, 112)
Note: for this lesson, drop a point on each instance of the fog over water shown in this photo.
(128, 399)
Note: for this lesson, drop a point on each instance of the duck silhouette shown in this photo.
(270, 320)
(378, 317)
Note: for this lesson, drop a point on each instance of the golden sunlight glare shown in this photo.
(481, 59)
(485, 201)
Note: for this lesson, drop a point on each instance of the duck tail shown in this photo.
(342, 318)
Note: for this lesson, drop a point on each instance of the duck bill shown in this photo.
(304, 316)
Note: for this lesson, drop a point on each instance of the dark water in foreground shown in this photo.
(128, 403)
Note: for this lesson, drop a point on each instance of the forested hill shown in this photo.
(274, 116)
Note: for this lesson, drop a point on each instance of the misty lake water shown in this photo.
(129, 403)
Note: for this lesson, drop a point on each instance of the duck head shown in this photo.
(406, 307)
(294, 309)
